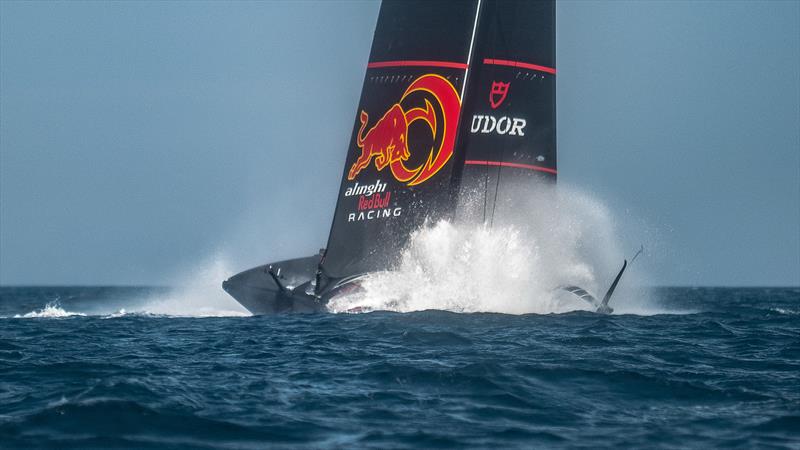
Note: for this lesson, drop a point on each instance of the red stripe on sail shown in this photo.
(475, 162)
(448, 64)
(521, 65)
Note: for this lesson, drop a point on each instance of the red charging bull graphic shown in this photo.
(386, 142)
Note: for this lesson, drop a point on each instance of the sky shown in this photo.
(140, 138)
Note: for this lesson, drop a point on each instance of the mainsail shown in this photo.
(400, 161)
(458, 98)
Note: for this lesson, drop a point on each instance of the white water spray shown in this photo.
(560, 237)
(197, 293)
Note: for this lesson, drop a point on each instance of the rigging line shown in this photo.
(464, 86)
(465, 82)
(493, 44)
(502, 144)
(485, 190)
(497, 187)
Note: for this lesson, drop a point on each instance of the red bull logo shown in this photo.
(386, 142)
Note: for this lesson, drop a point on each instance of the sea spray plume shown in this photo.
(584, 239)
(463, 269)
(197, 293)
(546, 239)
(454, 268)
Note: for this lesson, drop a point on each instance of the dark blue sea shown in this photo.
(723, 372)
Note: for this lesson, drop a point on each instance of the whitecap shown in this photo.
(50, 310)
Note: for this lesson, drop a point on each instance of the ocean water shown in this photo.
(716, 367)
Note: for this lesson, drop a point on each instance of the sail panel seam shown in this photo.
(475, 162)
(416, 63)
(520, 65)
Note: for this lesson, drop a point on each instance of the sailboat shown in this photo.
(456, 95)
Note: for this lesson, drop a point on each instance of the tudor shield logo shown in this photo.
(386, 141)
(503, 126)
(498, 93)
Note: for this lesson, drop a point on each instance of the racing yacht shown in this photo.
(456, 94)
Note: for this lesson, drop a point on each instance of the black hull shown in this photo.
(286, 287)
(287, 290)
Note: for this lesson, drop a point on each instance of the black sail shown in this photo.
(508, 134)
(458, 102)
(401, 159)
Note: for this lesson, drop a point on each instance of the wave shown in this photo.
(196, 293)
(50, 311)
